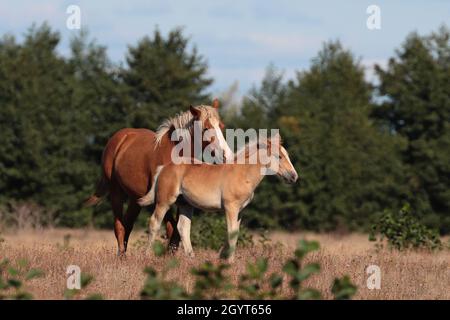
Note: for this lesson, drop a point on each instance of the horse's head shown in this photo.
(209, 119)
(279, 160)
(190, 126)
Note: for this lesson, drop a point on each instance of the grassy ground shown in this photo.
(404, 275)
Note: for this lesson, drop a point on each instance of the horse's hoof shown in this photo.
(173, 248)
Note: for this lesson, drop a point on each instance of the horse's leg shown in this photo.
(171, 230)
(155, 222)
(117, 201)
(129, 219)
(184, 228)
(233, 222)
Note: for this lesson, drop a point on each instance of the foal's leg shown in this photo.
(155, 221)
(184, 228)
(233, 222)
(130, 218)
(117, 201)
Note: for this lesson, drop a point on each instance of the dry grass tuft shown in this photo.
(405, 275)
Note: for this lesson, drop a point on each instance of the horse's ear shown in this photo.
(215, 103)
(195, 112)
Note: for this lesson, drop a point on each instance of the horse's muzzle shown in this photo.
(291, 177)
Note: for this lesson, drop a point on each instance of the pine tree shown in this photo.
(349, 171)
(32, 114)
(164, 77)
(416, 91)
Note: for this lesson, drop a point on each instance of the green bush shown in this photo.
(209, 230)
(403, 230)
(343, 288)
(13, 278)
(212, 282)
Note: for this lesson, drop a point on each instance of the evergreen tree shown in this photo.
(54, 115)
(348, 170)
(416, 91)
(98, 104)
(32, 115)
(164, 77)
(354, 157)
(260, 105)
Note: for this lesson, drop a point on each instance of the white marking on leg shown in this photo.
(184, 228)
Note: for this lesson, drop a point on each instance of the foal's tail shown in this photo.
(101, 190)
(149, 198)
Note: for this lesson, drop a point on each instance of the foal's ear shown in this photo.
(215, 104)
(195, 112)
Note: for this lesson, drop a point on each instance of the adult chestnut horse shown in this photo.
(129, 163)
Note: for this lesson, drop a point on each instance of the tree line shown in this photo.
(359, 147)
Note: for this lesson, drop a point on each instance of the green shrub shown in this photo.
(212, 282)
(13, 278)
(343, 288)
(209, 230)
(403, 230)
(298, 273)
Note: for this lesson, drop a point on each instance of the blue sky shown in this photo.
(240, 38)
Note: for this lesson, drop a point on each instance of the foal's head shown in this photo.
(279, 160)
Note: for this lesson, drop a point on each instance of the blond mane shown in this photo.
(183, 120)
(250, 148)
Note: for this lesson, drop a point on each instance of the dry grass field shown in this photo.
(404, 275)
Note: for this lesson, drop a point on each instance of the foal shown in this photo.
(228, 187)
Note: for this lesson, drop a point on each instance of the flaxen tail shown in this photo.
(149, 198)
(101, 191)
